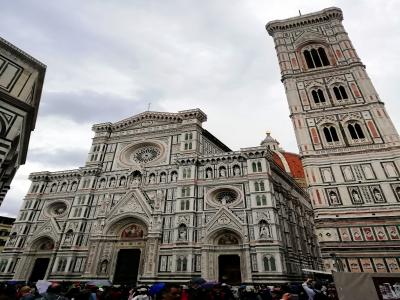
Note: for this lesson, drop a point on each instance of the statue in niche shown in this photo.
(68, 237)
(136, 178)
(103, 266)
(122, 181)
(209, 173)
(163, 177)
(222, 172)
(378, 195)
(236, 171)
(182, 233)
(152, 179)
(265, 231)
(356, 196)
(398, 192)
(112, 182)
(333, 198)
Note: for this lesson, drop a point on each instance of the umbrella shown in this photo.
(197, 280)
(209, 284)
(42, 286)
(99, 282)
(156, 288)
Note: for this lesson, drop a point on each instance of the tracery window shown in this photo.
(261, 200)
(62, 263)
(330, 134)
(181, 264)
(318, 96)
(316, 58)
(340, 93)
(256, 166)
(355, 131)
(185, 204)
(269, 263)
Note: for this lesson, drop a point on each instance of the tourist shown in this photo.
(26, 293)
(53, 293)
(307, 286)
(319, 294)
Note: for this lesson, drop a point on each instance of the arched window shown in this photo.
(190, 145)
(322, 55)
(254, 167)
(264, 200)
(330, 134)
(355, 131)
(266, 264)
(122, 181)
(256, 186)
(309, 61)
(340, 93)
(262, 187)
(318, 96)
(316, 58)
(259, 167)
(272, 263)
(174, 176)
(258, 200)
(53, 188)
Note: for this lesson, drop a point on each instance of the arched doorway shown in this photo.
(226, 257)
(129, 253)
(229, 270)
(43, 248)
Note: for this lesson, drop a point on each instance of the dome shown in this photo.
(291, 163)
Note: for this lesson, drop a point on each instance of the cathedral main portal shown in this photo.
(39, 269)
(126, 271)
(229, 269)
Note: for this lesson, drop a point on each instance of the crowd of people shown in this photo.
(197, 289)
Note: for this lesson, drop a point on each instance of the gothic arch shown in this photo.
(116, 224)
(214, 236)
(40, 243)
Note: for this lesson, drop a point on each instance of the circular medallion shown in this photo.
(145, 154)
(57, 209)
(226, 196)
(141, 153)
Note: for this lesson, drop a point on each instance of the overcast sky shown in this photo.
(106, 60)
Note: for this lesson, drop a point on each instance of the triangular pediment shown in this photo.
(133, 202)
(224, 218)
(147, 119)
(49, 228)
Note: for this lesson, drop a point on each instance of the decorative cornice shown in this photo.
(151, 115)
(322, 16)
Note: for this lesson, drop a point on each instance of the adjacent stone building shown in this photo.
(21, 81)
(349, 147)
(162, 199)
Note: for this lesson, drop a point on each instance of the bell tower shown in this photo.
(349, 146)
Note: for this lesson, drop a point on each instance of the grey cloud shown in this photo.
(92, 107)
(58, 158)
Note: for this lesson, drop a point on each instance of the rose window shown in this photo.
(142, 153)
(146, 154)
(226, 196)
(57, 209)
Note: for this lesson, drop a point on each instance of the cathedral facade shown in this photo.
(349, 146)
(162, 199)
